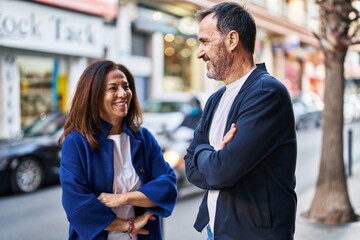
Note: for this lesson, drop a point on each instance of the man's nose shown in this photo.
(200, 52)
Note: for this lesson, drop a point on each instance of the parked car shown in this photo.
(166, 110)
(308, 109)
(165, 113)
(32, 159)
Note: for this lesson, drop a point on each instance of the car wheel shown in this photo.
(27, 177)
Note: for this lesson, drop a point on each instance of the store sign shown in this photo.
(35, 27)
(105, 8)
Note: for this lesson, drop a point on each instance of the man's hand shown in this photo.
(228, 136)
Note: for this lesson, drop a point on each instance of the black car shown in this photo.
(32, 159)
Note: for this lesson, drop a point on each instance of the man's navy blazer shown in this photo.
(255, 172)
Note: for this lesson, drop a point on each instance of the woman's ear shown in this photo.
(232, 40)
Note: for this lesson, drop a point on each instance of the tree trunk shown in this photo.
(331, 203)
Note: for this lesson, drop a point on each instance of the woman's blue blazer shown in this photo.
(85, 173)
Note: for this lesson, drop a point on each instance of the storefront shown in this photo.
(178, 48)
(43, 52)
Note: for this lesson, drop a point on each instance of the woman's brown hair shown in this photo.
(84, 113)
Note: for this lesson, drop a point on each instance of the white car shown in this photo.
(165, 111)
(163, 117)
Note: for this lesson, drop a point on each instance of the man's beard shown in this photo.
(218, 69)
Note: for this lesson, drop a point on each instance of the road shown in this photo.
(39, 216)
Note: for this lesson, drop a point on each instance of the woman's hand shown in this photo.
(228, 136)
(112, 200)
(135, 198)
(140, 222)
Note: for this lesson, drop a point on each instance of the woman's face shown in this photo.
(117, 98)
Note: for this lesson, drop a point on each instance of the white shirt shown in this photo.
(216, 134)
(125, 180)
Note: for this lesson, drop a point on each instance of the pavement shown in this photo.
(310, 230)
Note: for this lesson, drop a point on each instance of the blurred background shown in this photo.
(46, 44)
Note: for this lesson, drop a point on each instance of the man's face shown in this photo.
(212, 49)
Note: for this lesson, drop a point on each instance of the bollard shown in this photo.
(349, 152)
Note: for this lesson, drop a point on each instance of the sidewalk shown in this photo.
(307, 230)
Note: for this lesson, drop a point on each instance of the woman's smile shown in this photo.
(121, 106)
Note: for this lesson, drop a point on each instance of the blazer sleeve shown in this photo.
(200, 137)
(84, 211)
(161, 187)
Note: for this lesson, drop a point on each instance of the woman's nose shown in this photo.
(121, 93)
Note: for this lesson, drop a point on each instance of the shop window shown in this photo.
(139, 44)
(38, 93)
(178, 52)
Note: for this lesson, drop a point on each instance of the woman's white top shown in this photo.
(216, 134)
(125, 180)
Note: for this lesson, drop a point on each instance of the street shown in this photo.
(39, 216)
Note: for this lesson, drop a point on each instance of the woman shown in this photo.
(113, 175)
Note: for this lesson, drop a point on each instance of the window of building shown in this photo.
(140, 42)
(40, 91)
(178, 50)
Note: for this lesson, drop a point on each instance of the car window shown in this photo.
(47, 124)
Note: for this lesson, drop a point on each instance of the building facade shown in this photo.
(43, 51)
(46, 44)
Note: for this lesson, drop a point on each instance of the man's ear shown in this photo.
(232, 40)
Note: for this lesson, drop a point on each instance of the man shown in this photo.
(249, 172)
